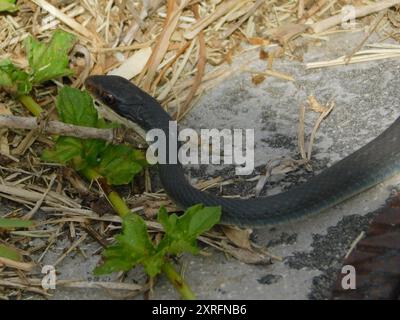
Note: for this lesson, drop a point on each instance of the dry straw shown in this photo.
(176, 50)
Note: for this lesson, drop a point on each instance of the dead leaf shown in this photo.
(133, 65)
(240, 237)
(246, 256)
(315, 105)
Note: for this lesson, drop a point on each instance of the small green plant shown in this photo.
(95, 159)
(46, 61)
(134, 247)
(8, 5)
(117, 163)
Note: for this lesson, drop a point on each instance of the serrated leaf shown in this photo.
(8, 5)
(9, 253)
(76, 107)
(113, 265)
(181, 232)
(135, 235)
(178, 244)
(65, 149)
(153, 264)
(10, 223)
(133, 247)
(120, 163)
(14, 80)
(49, 61)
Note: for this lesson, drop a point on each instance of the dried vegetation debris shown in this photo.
(175, 50)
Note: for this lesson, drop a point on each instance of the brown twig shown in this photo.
(64, 129)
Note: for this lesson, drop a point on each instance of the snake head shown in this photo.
(120, 95)
(128, 101)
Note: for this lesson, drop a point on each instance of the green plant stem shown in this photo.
(31, 105)
(119, 204)
(90, 174)
(178, 282)
(115, 199)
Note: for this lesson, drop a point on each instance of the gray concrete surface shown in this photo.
(367, 101)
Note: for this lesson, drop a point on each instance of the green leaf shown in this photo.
(203, 220)
(91, 152)
(65, 149)
(8, 5)
(117, 163)
(13, 80)
(120, 163)
(153, 264)
(181, 232)
(49, 61)
(133, 247)
(9, 253)
(102, 124)
(9, 223)
(113, 265)
(135, 235)
(76, 107)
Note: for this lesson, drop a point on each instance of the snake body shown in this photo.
(368, 166)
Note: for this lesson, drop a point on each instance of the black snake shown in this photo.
(368, 166)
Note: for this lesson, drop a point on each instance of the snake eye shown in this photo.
(108, 99)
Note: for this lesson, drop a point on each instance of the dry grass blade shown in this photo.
(175, 50)
(177, 73)
(250, 11)
(221, 10)
(362, 11)
(323, 115)
(354, 244)
(67, 20)
(24, 266)
(301, 132)
(201, 65)
(30, 214)
(272, 73)
(158, 54)
(358, 57)
(72, 247)
(378, 19)
(25, 287)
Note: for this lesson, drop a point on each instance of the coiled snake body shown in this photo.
(368, 166)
